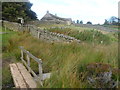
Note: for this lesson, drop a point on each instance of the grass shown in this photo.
(7, 36)
(114, 27)
(0, 29)
(64, 60)
(7, 58)
(87, 35)
(0, 59)
(71, 27)
(48, 25)
(0, 37)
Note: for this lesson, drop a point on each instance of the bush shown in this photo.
(100, 75)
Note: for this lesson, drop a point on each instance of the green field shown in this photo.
(0, 57)
(6, 57)
(0, 37)
(67, 62)
(114, 27)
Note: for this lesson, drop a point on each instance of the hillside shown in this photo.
(71, 64)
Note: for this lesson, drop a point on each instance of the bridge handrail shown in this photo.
(27, 64)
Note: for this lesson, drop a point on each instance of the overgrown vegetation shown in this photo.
(114, 27)
(64, 60)
(91, 36)
(7, 58)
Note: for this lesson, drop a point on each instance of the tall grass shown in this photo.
(91, 36)
(7, 57)
(62, 59)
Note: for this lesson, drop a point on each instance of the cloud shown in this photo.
(86, 10)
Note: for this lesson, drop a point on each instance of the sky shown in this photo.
(95, 11)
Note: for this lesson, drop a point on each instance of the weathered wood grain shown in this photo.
(17, 78)
(27, 77)
(30, 55)
(41, 76)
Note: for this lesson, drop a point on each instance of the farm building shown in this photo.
(50, 18)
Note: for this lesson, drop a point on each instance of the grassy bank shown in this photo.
(65, 61)
(0, 37)
(7, 58)
(114, 27)
(89, 36)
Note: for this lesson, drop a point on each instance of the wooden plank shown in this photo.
(29, 68)
(33, 73)
(28, 62)
(26, 75)
(21, 54)
(40, 74)
(17, 78)
(46, 75)
(33, 57)
(40, 71)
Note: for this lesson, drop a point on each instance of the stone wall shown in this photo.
(50, 36)
(49, 22)
(39, 33)
(12, 25)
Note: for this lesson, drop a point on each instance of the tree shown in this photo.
(81, 22)
(106, 22)
(77, 21)
(89, 22)
(12, 10)
(113, 19)
(73, 22)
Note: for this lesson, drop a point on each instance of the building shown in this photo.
(50, 18)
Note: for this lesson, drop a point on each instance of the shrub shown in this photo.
(100, 75)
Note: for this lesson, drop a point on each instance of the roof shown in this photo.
(49, 16)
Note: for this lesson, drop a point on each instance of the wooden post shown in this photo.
(38, 35)
(40, 73)
(5, 28)
(21, 54)
(28, 61)
(30, 29)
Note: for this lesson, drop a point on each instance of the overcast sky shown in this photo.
(95, 11)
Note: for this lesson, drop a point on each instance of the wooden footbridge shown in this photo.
(22, 73)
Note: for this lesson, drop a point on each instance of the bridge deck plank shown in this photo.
(17, 78)
(27, 77)
(21, 77)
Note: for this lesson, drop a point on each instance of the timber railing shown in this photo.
(24, 52)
